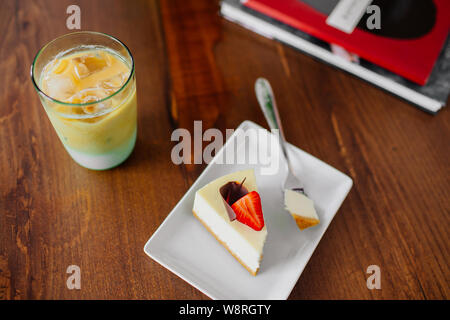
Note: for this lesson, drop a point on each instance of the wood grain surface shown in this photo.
(191, 64)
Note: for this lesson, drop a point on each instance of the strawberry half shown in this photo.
(248, 210)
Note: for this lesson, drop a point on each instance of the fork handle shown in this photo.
(266, 99)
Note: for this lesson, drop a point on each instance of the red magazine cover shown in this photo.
(408, 43)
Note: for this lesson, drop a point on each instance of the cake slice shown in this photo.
(230, 208)
(301, 209)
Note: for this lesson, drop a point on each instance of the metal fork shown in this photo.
(266, 100)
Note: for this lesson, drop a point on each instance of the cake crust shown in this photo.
(253, 273)
(304, 222)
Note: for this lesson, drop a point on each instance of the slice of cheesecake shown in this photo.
(230, 208)
(301, 209)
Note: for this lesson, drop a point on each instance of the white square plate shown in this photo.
(185, 247)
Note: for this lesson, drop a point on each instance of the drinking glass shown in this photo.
(97, 134)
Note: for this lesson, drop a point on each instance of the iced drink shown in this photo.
(89, 93)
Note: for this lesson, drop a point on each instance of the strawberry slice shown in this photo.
(248, 210)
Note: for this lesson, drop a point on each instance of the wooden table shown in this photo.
(193, 65)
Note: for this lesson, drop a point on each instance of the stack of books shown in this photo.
(401, 46)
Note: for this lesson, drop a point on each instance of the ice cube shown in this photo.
(114, 83)
(88, 95)
(90, 63)
(91, 95)
(97, 108)
(59, 86)
(81, 71)
(60, 66)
